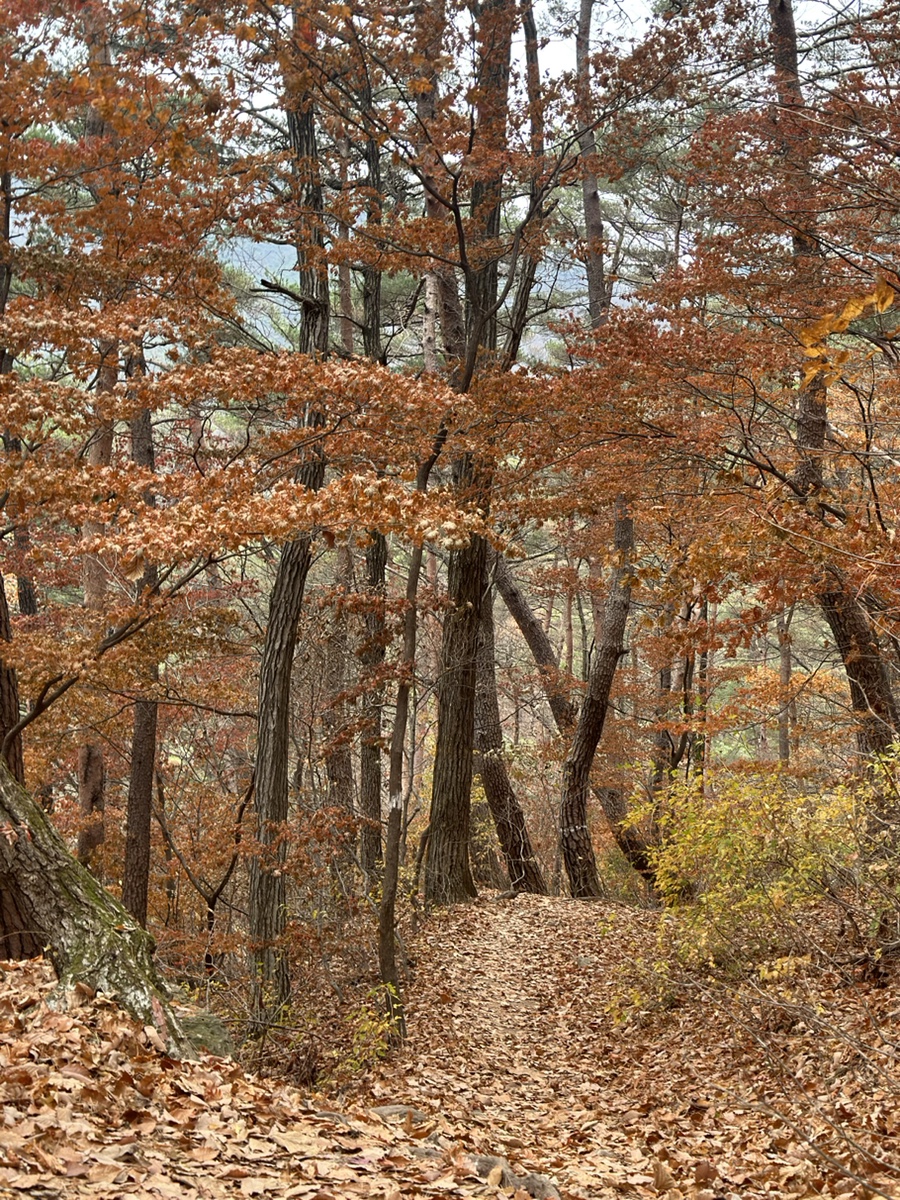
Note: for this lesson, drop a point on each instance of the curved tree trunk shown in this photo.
(50, 902)
(871, 696)
(575, 838)
(523, 868)
(565, 714)
(636, 849)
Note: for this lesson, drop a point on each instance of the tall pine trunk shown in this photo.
(268, 896)
(448, 877)
(864, 662)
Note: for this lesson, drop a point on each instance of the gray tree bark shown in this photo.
(50, 902)
(522, 866)
(575, 839)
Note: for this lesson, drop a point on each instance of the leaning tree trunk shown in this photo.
(50, 903)
(871, 695)
(521, 865)
(636, 849)
(575, 838)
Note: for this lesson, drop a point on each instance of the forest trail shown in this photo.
(510, 1043)
(515, 1082)
(515, 1049)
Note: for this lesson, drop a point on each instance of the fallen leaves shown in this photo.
(512, 1041)
(515, 1082)
(89, 1107)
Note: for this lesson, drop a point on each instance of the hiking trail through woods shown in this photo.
(515, 1081)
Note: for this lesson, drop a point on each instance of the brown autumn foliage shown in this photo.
(324, 330)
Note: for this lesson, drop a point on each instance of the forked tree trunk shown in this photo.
(563, 710)
(522, 866)
(50, 902)
(575, 838)
(633, 845)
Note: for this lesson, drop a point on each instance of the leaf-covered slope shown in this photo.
(786, 1087)
(783, 1087)
(92, 1108)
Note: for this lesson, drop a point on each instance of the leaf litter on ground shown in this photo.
(518, 1079)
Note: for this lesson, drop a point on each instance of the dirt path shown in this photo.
(514, 1050)
(513, 1053)
(511, 1044)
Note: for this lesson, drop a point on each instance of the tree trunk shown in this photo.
(9, 695)
(871, 696)
(577, 851)
(267, 899)
(136, 871)
(387, 941)
(338, 752)
(91, 802)
(636, 849)
(25, 593)
(598, 290)
(370, 753)
(139, 811)
(521, 864)
(267, 884)
(48, 901)
(563, 710)
(448, 878)
(783, 626)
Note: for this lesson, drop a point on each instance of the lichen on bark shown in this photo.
(85, 932)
